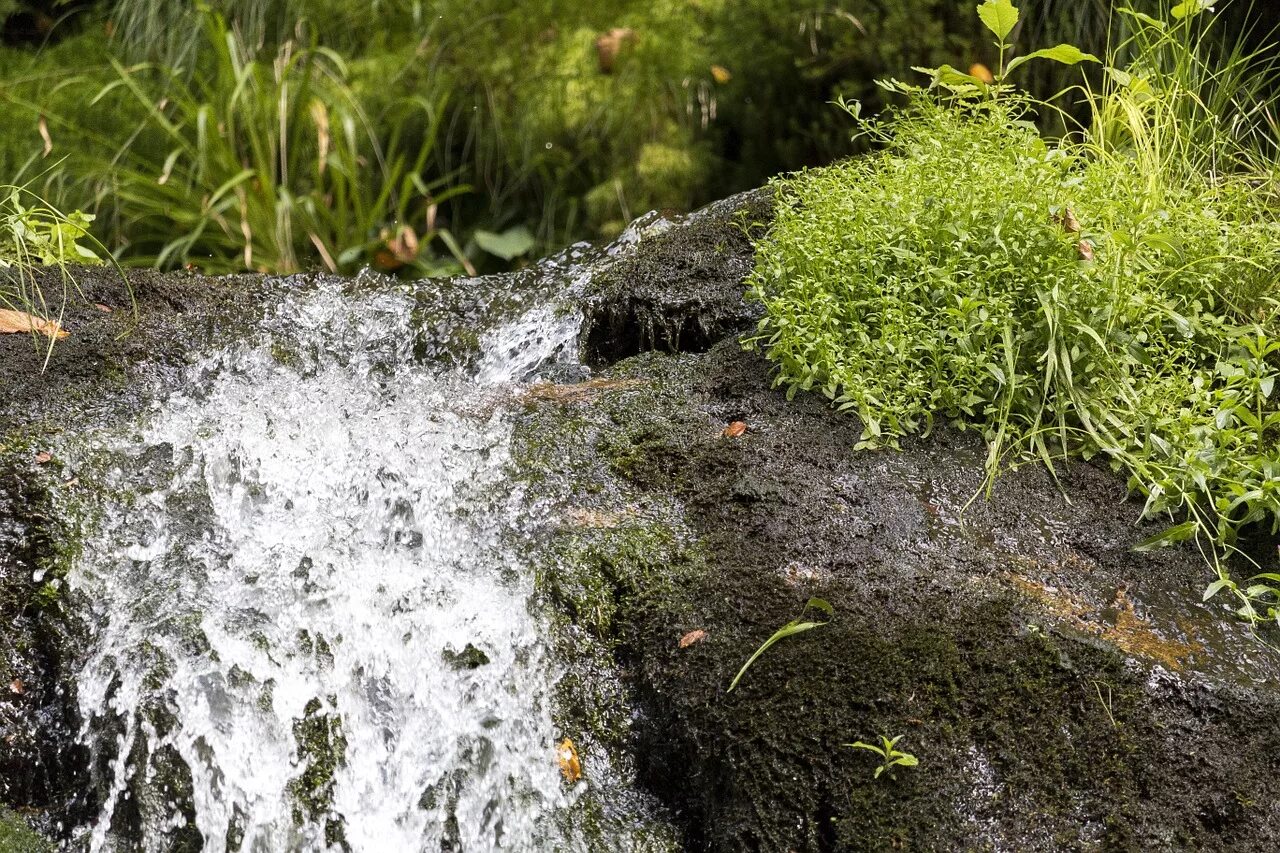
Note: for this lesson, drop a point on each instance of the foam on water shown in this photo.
(303, 541)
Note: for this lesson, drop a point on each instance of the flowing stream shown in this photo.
(312, 631)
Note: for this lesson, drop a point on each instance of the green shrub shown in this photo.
(1110, 296)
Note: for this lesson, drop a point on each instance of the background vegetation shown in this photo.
(430, 136)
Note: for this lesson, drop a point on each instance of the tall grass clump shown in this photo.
(265, 162)
(1112, 293)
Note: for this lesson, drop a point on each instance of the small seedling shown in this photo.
(795, 626)
(890, 756)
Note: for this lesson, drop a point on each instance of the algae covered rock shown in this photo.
(1059, 689)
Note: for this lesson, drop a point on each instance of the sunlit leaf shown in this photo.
(999, 16)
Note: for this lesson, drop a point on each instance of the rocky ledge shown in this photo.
(1059, 690)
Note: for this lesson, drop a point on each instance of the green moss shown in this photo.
(17, 837)
(321, 751)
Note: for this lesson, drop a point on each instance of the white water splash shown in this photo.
(311, 565)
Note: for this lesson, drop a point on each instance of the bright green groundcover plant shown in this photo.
(1112, 293)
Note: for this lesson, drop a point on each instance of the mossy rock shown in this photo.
(17, 837)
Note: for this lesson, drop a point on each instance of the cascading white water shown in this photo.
(304, 593)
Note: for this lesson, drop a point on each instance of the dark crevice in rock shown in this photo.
(679, 289)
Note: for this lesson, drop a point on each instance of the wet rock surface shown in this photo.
(117, 334)
(1060, 690)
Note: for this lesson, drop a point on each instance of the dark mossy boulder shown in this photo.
(1060, 690)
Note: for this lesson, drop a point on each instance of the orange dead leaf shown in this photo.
(695, 636)
(721, 74)
(1085, 248)
(43, 457)
(105, 309)
(567, 758)
(16, 686)
(610, 44)
(21, 321)
(734, 429)
(982, 72)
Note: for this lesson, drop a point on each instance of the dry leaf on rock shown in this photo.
(567, 758)
(16, 686)
(43, 456)
(21, 321)
(734, 429)
(695, 636)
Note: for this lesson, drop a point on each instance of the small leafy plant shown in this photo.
(890, 755)
(795, 626)
(1109, 294)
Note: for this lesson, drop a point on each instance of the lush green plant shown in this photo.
(35, 234)
(268, 165)
(890, 755)
(1111, 295)
(795, 626)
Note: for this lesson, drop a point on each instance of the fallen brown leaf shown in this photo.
(1069, 221)
(43, 456)
(567, 758)
(16, 686)
(695, 636)
(734, 429)
(609, 45)
(21, 321)
(105, 309)
(1085, 248)
(43, 126)
(72, 482)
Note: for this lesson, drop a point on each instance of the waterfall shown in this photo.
(310, 628)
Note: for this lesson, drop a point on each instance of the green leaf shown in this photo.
(860, 745)
(1190, 8)
(1000, 16)
(508, 245)
(821, 604)
(795, 626)
(906, 760)
(1214, 588)
(1067, 54)
(1143, 17)
(1165, 538)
